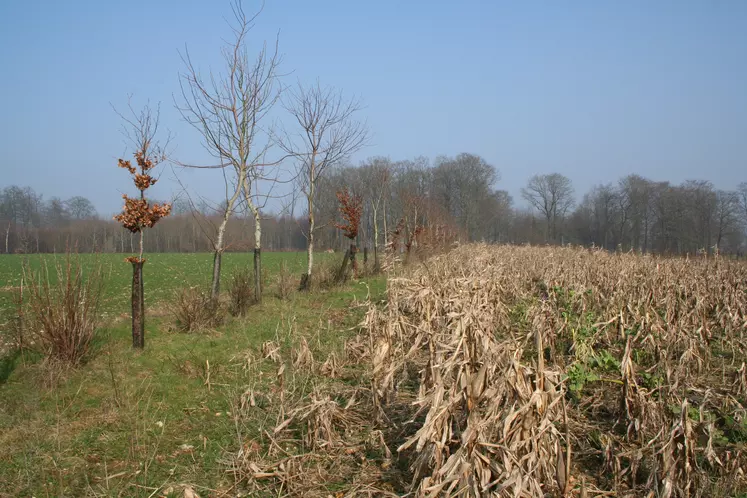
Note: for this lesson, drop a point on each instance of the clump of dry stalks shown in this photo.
(532, 372)
(304, 431)
(647, 353)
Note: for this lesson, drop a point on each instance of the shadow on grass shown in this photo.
(8, 363)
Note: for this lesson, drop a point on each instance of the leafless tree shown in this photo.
(80, 208)
(326, 134)
(742, 196)
(463, 185)
(551, 195)
(227, 110)
(727, 214)
(376, 175)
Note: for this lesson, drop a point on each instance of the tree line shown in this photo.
(459, 193)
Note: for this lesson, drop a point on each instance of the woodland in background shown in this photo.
(451, 195)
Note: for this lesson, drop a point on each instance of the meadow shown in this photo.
(163, 273)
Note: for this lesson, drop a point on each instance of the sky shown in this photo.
(593, 90)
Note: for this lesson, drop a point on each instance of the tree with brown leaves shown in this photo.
(351, 210)
(138, 213)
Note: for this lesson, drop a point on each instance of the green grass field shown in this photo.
(163, 273)
(130, 423)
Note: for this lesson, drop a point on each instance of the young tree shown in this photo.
(351, 209)
(376, 174)
(227, 111)
(551, 195)
(138, 213)
(328, 134)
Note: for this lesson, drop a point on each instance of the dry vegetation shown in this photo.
(59, 310)
(516, 371)
(193, 310)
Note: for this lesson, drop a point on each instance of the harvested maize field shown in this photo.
(527, 372)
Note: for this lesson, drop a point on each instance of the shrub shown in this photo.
(11, 332)
(285, 281)
(324, 274)
(194, 311)
(62, 308)
(241, 292)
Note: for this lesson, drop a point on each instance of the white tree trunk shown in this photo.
(386, 234)
(219, 243)
(257, 253)
(376, 237)
(257, 240)
(310, 245)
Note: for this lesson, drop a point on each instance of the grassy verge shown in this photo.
(131, 424)
(163, 273)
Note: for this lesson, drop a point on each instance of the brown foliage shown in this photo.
(139, 213)
(351, 209)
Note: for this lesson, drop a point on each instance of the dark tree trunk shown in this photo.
(215, 288)
(305, 282)
(138, 306)
(353, 263)
(258, 274)
(365, 255)
(342, 273)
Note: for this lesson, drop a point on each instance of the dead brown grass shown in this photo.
(521, 372)
(61, 309)
(194, 311)
(647, 352)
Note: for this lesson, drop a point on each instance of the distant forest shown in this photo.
(456, 193)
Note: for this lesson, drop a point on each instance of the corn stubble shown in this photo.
(533, 372)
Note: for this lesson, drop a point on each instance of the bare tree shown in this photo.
(80, 208)
(227, 110)
(377, 175)
(326, 135)
(727, 214)
(462, 185)
(742, 196)
(551, 195)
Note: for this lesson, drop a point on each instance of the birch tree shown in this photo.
(228, 110)
(325, 134)
(377, 173)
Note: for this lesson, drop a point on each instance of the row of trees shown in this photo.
(383, 203)
(647, 216)
(457, 192)
(633, 214)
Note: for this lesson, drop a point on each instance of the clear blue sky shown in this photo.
(594, 89)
